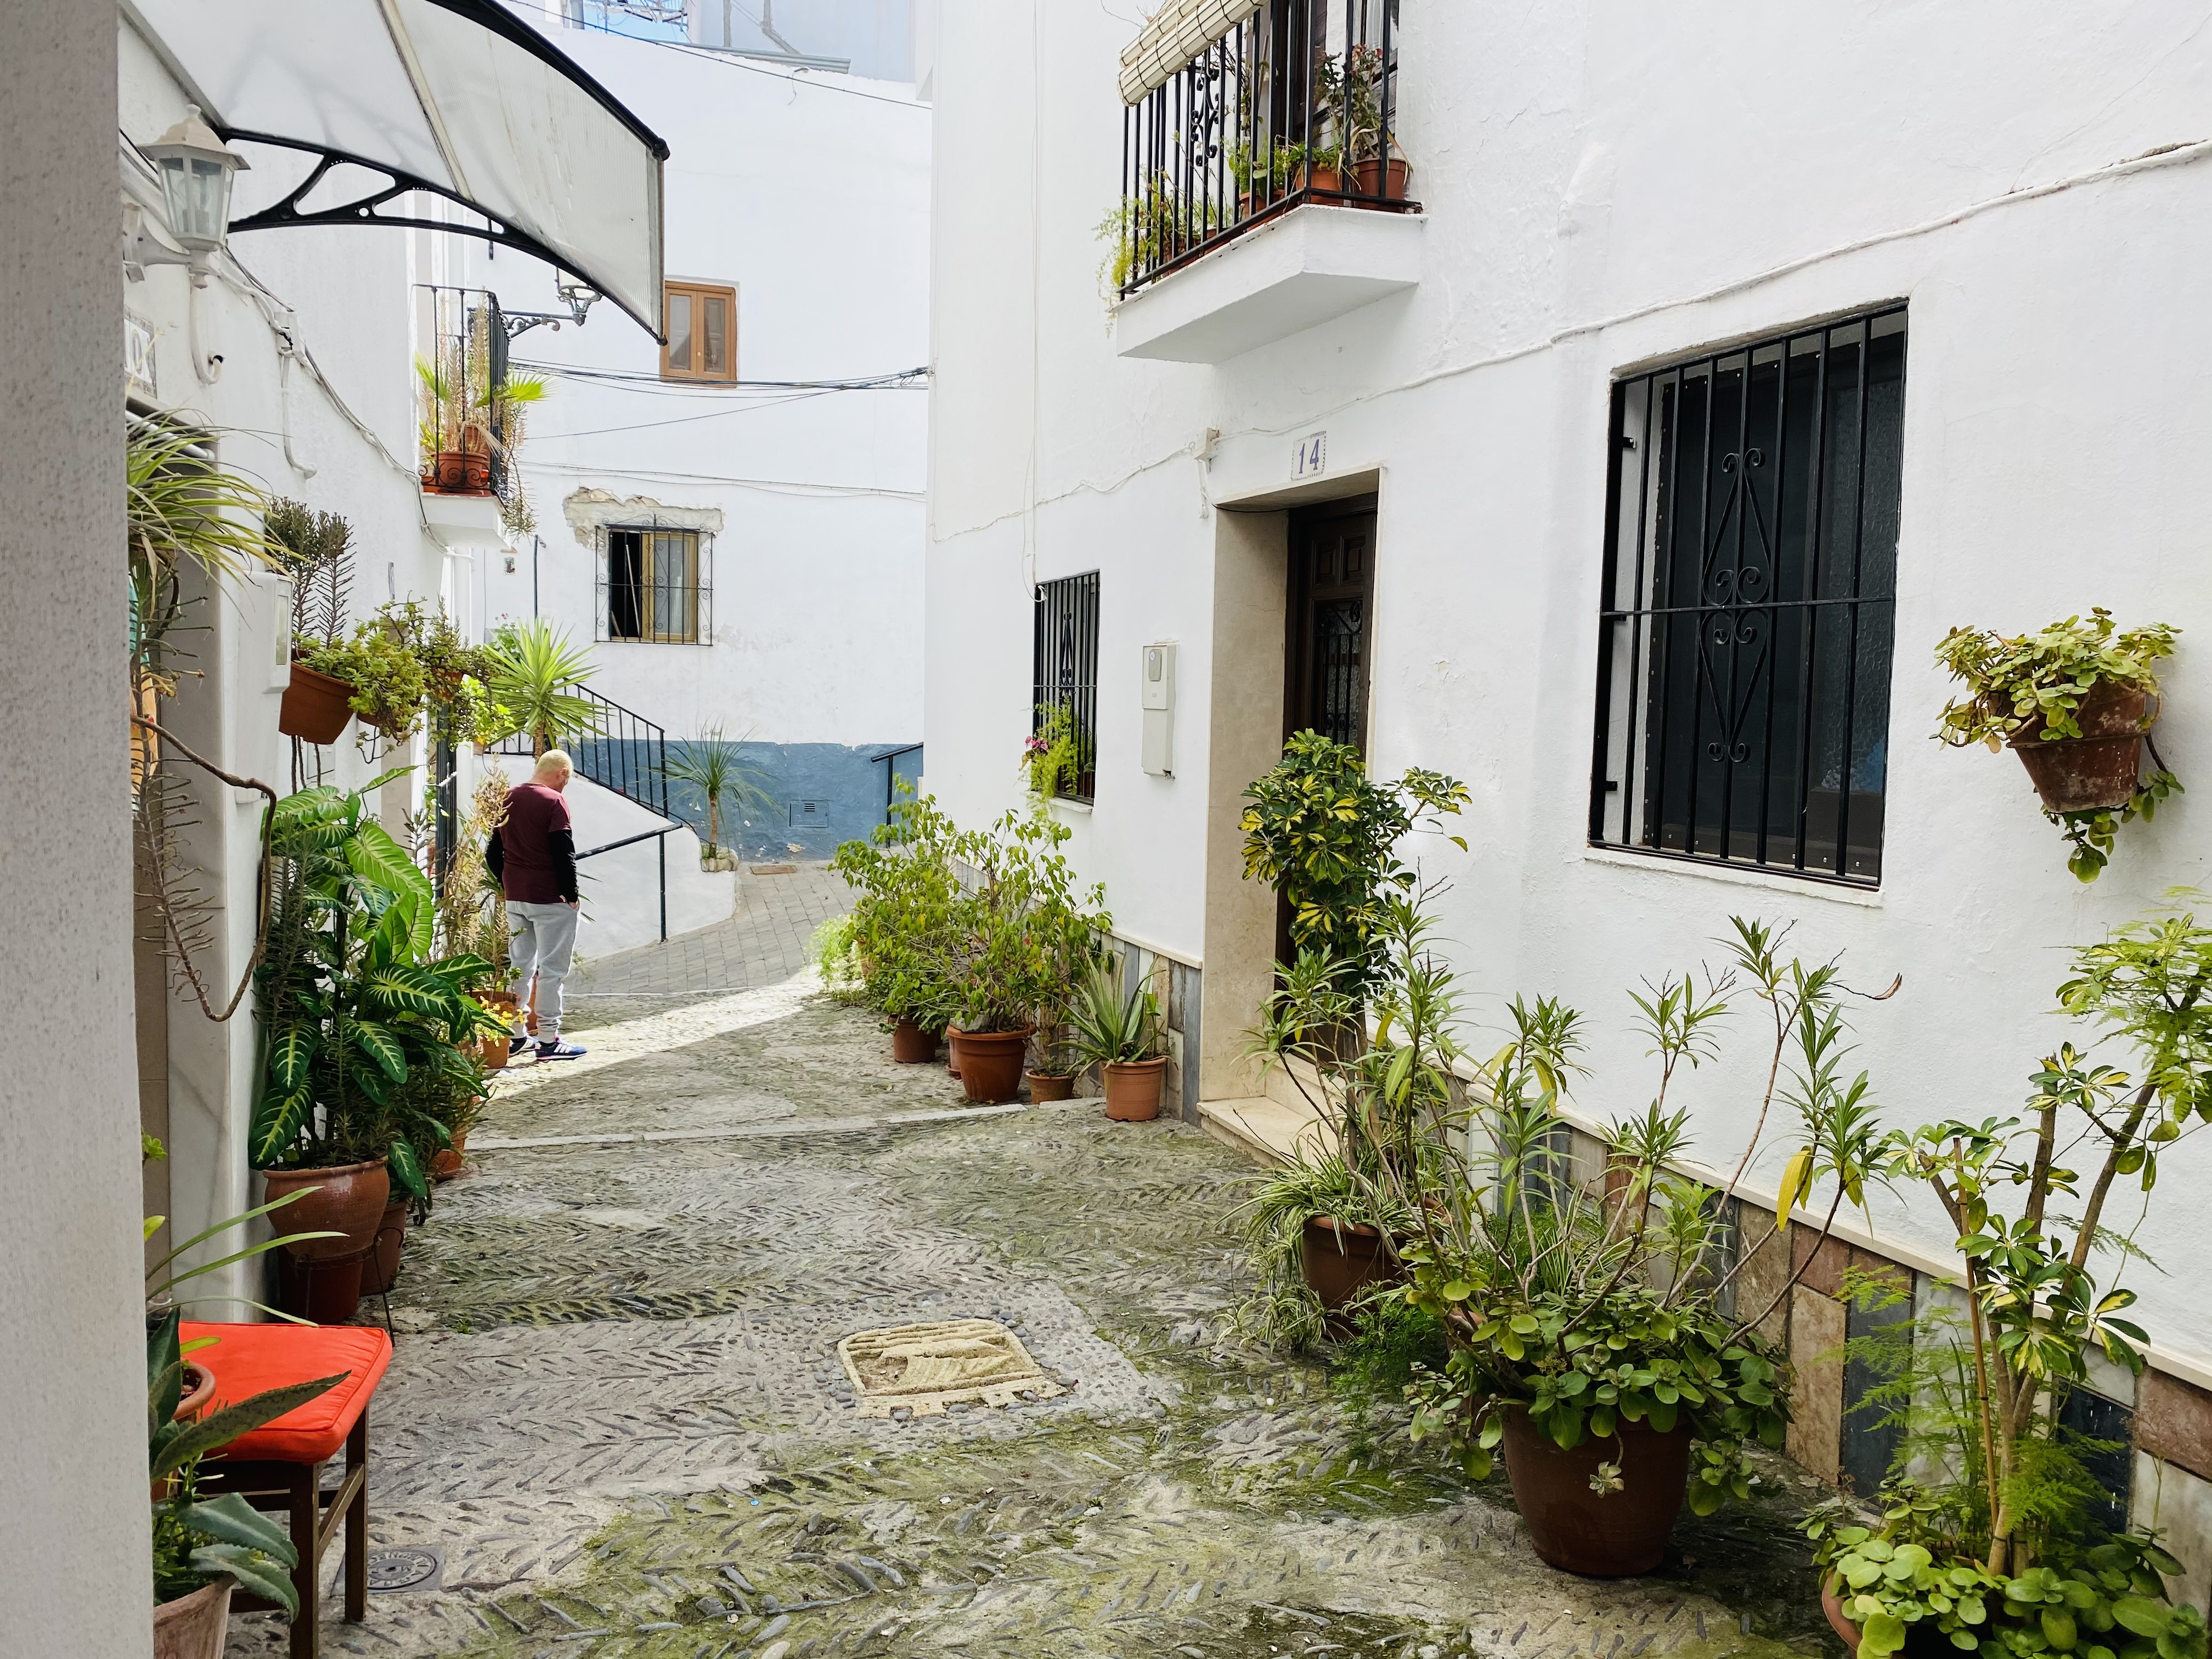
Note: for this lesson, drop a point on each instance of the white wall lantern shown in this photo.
(195, 169)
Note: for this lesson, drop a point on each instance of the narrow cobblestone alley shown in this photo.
(618, 1418)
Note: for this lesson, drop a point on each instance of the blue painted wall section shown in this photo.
(819, 794)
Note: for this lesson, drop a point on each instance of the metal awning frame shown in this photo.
(363, 211)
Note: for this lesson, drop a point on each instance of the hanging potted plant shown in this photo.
(2076, 702)
(319, 550)
(1120, 1035)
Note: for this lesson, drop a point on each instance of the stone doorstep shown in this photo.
(1262, 1127)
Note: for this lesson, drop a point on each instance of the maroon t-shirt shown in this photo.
(533, 869)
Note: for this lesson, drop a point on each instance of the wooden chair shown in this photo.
(279, 1467)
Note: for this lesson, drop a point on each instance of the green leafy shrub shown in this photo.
(901, 938)
(1022, 930)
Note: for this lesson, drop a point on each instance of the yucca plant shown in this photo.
(1105, 1028)
(535, 674)
(716, 766)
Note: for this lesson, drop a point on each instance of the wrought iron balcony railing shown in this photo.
(1293, 101)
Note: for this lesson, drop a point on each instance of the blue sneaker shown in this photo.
(559, 1050)
(516, 1045)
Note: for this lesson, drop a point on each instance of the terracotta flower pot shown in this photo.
(1922, 1641)
(198, 1388)
(952, 1050)
(492, 1051)
(194, 1626)
(379, 1271)
(325, 1292)
(991, 1064)
(1132, 1090)
(1317, 178)
(911, 1045)
(460, 473)
(2100, 768)
(1340, 1259)
(350, 1202)
(316, 707)
(1045, 1086)
(1369, 178)
(446, 1162)
(1598, 1534)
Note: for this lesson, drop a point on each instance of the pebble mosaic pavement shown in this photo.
(616, 1405)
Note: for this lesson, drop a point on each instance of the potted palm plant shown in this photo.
(1121, 1035)
(2074, 701)
(716, 766)
(537, 679)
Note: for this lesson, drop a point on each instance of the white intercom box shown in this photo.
(1158, 679)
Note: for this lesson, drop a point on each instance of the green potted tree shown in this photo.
(1992, 1524)
(1013, 934)
(2073, 701)
(1120, 1035)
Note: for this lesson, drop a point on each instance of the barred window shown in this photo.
(655, 586)
(1065, 665)
(1748, 603)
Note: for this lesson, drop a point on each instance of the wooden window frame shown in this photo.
(650, 628)
(696, 292)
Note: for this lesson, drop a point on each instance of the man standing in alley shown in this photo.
(533, 855)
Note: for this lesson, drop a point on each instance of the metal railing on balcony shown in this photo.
(1278, 103)
(470, 410)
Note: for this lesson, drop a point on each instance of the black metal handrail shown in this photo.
(1296, 104)
(617, 748)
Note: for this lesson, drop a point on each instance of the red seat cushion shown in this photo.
(249, 1359)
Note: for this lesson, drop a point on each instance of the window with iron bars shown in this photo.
(1748, 603)
(1064, 673)
(655, 586)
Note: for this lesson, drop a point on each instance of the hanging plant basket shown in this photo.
(316, 707)
(2101, 768)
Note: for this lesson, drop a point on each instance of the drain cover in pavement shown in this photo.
(924, 1368)
(405, 1569)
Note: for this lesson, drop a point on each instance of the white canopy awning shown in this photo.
(1179, 31)
(458, 97)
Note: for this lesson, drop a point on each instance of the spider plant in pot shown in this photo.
(1585, 1299)
(1119, 1033)
(2074, 701)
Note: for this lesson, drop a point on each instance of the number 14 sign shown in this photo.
(1312, 456)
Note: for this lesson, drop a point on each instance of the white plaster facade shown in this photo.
(1605, 187)
(808, 193)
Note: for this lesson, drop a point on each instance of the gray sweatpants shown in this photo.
(543, 945)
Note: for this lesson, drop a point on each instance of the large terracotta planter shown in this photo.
(1608, 1534)
(1132, 1090)
(194, 1626)
(459, 472)
(1340, 1259)
(2099, 769)
(991, 1064)
(911, 1045)
(320, 1293)
(379, 1270)
(1044, 1085)
(350, 1202)
(1369, 178)
(316, 707)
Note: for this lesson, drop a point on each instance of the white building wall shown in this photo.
(808, 194)
(1604, 188)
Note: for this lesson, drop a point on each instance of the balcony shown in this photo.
(1263, 189)
(471, 411)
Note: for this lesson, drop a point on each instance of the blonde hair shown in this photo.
(554, 760)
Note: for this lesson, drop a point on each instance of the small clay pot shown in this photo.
(1340, 1259)
(350, 1202)
(1369, 178)
(1045, 1086)
(446, 1162)
(1922, 1641)
(911, 1045)
(952, 1050)
(1598, 1534)
(1132, 1090)
(460, 473)
(380, 1269)
(991, 1064)
(194, 1626)
(316, 707)
(197, 1389)
(2099, 769)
